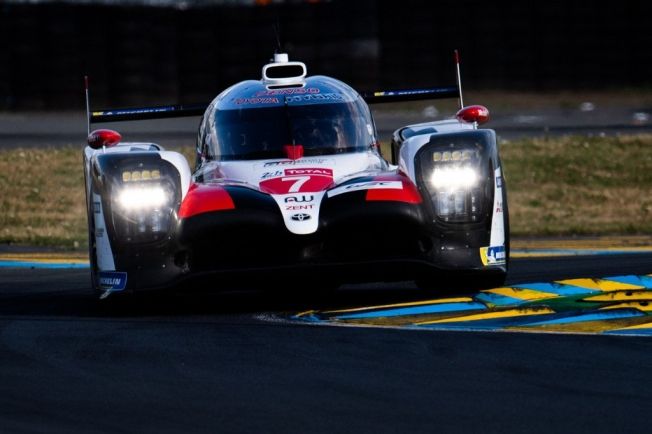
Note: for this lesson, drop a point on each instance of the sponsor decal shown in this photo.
(241, 101)
(299, 207)
(268, 175)
(295, 162)
(288, 91)
(135, 111)
(499, 181)
(302, 198)
(493, 255)
(318, 171)
(499, 207)
(318, 97)
(368, 185)
(497, 253)
(300, 211)
(99, 232)
(304, 180)
(97, 207)
(113, 280)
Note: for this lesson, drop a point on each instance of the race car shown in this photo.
(289, 182)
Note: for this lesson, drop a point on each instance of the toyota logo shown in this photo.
(300, 217)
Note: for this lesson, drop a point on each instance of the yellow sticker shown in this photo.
(483, 255)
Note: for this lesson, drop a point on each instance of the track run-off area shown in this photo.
(615, 304)
(251, 360)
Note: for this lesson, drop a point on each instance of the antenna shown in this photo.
(88, 107)
(459, 76)
(277, 33)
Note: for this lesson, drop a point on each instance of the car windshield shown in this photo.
(262, 132)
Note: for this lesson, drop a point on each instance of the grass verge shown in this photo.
(557, 186)
(579, 185)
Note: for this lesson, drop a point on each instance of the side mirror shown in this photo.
(103, 138)
(477, 114)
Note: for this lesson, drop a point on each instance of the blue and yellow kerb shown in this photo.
(620, 305)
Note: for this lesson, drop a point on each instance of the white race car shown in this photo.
(289, 184)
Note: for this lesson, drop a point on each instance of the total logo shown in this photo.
(293, 180)
(300, 217)
(318, 171)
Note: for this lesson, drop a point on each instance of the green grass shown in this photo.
(579, 185)
(42, 197)
(560, 186)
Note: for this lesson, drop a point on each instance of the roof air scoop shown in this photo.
(283, 73)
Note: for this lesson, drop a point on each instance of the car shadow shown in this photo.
(67, 293)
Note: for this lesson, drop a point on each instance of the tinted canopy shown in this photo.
(324, 121)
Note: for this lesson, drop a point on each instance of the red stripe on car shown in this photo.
(202, 198)
(408, 193)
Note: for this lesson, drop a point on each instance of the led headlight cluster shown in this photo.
(455, 197)
(144, 200)
(140, 175)
(454, 192)
(464, 155)
(452, 171)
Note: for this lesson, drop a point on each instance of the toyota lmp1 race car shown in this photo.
(289, 180)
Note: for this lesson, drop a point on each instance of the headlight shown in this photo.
(141, 192)
(144, 202)
(146, 210)
(134, 198)
(454, 192)
(454, 187)
(453, 178)
(453, 169)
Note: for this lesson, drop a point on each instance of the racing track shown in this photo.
(234, 362)
(55, 129)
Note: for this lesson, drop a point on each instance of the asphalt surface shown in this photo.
(234, 362)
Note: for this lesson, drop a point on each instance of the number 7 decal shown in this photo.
(298, 182)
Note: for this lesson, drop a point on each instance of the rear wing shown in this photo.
(181, 110)
(411, 94)
(143, 113)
